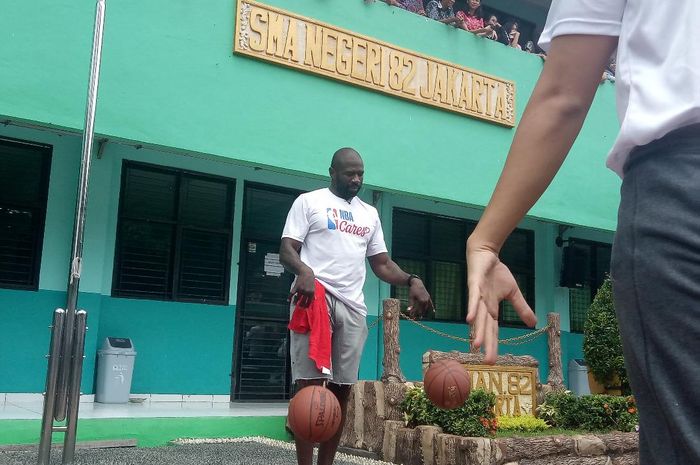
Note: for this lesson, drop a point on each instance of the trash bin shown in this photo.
(115, 366)
(578, 377)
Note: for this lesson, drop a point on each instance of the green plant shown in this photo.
(602, 346)
(591, 413)
(475, 418)
(523, 423)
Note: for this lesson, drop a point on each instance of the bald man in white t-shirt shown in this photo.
(655, 264)
(327, 236)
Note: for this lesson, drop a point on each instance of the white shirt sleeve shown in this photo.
(588, 17)
(376, 243)
(297, 225)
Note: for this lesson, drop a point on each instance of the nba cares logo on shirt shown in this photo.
(342, 220)
(332, 215)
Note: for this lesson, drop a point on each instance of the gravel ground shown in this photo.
(243, 451)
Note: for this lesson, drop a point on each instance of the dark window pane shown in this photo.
(203, 264)
(145, 259)
(602, 260)
(508, 314)
(579, 303)
(416, 267)
(448, 239)
(149, 194)
(410, 235)
(17, 246)
(266, 213)
(21, 174)
(204, 203)
(174, 235)
(448, 284)
(433, 247)
(584, 269)
(517, 251)
(24, 180)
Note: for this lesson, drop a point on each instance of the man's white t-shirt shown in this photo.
(658, 69)
(336, 236)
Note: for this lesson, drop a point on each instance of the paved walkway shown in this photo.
(30, 407)
(240, 451)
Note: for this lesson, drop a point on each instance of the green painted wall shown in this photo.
(172, 357)
(173, 94)
(25, 338)
(181, 348)
(169, 79)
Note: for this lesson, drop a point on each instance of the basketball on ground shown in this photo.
(446, 383)
(314, 414)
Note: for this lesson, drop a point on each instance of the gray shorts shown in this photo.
(349, 332)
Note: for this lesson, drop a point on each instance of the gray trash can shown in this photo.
(578, 377)
(115, 366)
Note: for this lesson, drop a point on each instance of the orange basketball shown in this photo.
(314, 414)
(446, 383)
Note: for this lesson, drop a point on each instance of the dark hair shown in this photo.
(464, 7)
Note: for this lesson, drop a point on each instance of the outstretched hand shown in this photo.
(490, 282)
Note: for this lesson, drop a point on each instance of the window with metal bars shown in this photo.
(173, 235)
(24, 183)
(592, 263)
(433, 247)
(518, 254)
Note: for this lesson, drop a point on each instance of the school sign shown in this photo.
(277, 36)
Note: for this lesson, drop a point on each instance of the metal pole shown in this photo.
(74, 387)
(49, 395)
(65, 371)
(79, 223)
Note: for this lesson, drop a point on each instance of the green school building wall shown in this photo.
(173, 94)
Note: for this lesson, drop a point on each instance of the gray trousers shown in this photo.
(656, 285)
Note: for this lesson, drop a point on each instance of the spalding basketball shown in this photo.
(446, 383)
(314, 414)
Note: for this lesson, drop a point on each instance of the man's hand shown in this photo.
(388, 271)
(419, 301)
(303, 290)
(490, 282)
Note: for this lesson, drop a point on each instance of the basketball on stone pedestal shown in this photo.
(314, 414)
(446, 383)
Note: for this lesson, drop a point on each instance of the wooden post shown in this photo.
(555, 378)
(472, 349)
(392, 369)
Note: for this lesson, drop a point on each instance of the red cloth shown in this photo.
(315, 319)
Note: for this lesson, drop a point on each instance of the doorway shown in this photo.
(261, 365)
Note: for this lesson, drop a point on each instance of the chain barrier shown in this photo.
(511, 341)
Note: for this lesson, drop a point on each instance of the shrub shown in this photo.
(593, 413)
(522, 424)
(602, 346)
(475, 418)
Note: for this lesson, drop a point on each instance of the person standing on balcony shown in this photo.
(327, 236)
(414, 6)
(443, 11)
(497, 33)
(472, 19)
(655, 264)
(513, 34)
